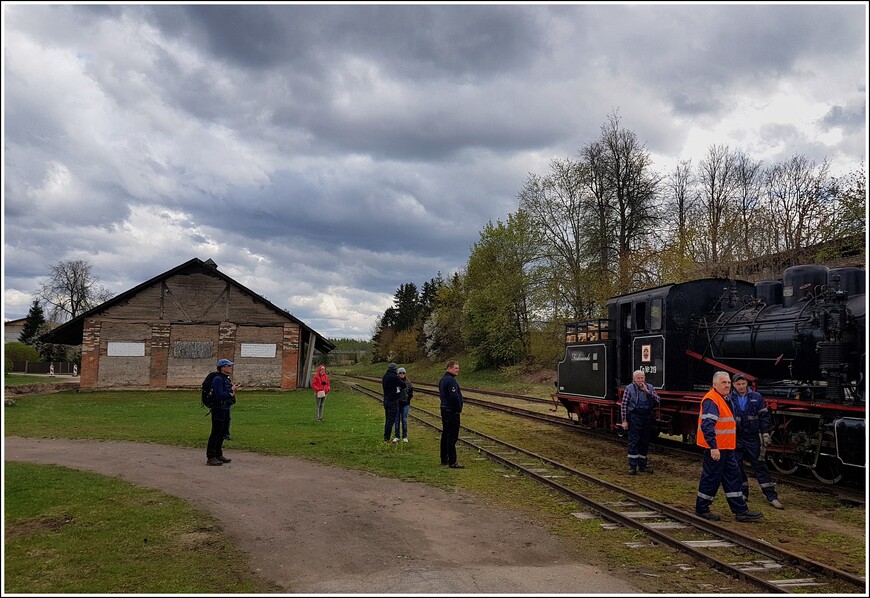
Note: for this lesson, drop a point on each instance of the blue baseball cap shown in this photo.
(224, 362)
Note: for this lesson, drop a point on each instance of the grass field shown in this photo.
(283, 423)
(62, 536)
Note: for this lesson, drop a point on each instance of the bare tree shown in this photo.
(556, 207)
(72, 290)
(621, 167)
(748, 175)
(676, 262)
(600, 240)
(800, 196)
(682, 201)
(717, 181)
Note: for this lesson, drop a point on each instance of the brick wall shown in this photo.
(199, 310)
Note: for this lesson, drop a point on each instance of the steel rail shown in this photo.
(746, 542)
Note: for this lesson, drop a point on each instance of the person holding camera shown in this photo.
(224, 398)
(320, 386)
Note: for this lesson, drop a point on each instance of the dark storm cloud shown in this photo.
(839, 116)
(415, 41)
(430, 50)
(325, 154)
(699, 56)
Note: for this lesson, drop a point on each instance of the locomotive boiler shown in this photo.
(800, 340)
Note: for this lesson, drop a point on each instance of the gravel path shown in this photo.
(318, 529)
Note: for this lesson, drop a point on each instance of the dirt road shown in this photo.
(317, 529)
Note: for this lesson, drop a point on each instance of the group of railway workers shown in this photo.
(733, 426)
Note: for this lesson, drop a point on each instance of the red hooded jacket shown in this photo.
(320, 381)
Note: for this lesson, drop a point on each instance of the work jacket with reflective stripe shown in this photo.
(716, 426)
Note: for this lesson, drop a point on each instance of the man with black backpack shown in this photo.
(222, 396)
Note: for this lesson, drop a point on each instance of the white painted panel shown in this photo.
(258, 350)
(116, 349)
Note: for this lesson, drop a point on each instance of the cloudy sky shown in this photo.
(323, 154)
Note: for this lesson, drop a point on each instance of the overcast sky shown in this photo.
(323, 155)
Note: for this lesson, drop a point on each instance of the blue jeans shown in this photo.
(402, 418)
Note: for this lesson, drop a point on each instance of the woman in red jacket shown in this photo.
(320, 385)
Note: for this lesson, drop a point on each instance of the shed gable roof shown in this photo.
(72, 332)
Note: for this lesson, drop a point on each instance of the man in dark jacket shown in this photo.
(393, 386)
(224, 397)
(753, 431)
(451, 409)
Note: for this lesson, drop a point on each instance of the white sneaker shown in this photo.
(776, 504)
(395, 440)
(404, 440)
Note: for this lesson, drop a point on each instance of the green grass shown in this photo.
(507, 379)
(351, 436)
(62, 536)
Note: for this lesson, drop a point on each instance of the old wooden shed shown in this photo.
(169, 332)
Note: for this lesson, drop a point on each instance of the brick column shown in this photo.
(159, 354)
(90, 355)
(290, 356)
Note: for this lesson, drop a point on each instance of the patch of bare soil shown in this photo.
(313, 528)
(25, 528)
(41, 388)
(543, 376)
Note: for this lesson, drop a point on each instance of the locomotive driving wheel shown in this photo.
(782, 459)
(827, 468)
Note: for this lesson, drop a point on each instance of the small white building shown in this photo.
(12, 330)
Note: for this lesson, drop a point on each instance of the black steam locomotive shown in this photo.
(800, 341)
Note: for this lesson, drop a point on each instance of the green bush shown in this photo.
(18, 352)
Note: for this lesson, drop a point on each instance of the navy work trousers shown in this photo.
(639, 435)
(724, 472)
(450, 422)
(749, 449)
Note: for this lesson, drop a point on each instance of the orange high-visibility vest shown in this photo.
(726, 427)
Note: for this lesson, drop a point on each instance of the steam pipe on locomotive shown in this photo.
(799, 339)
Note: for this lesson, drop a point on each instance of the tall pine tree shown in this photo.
(34, 325)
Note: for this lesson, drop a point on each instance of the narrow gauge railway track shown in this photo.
(659, 444)
(493, 393)
(739, 555)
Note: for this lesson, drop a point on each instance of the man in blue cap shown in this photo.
(224, 397)
(753, 436)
